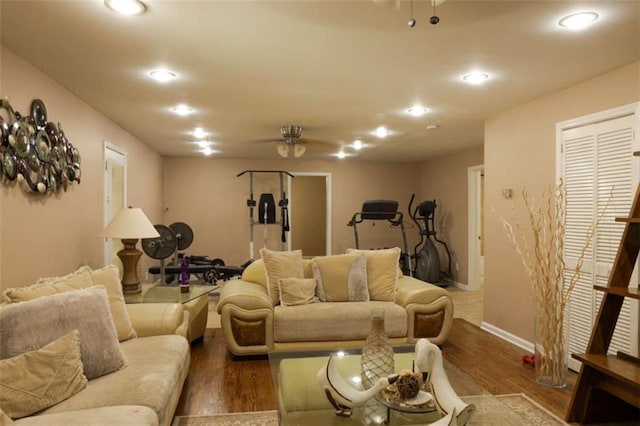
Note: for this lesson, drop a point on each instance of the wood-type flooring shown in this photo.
(218, 383)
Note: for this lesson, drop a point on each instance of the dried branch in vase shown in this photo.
(543, 260)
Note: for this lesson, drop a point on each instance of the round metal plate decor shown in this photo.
(39, 112)
(43, 146)
(10, 166)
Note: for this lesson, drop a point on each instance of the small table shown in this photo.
(195, 301)
(302, 402)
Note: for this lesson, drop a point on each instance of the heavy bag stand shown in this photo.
(383, 210)
(267, 217)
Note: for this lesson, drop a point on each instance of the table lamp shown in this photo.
(130, 224)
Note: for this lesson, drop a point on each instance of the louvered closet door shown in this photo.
(598, 168)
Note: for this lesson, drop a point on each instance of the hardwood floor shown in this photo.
(218, 383)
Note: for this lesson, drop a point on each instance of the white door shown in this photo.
(475, 189)
(115, 196)
(600, 176)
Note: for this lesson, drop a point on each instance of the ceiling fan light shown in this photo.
(298, 151)
(126, 7)
(283, 150)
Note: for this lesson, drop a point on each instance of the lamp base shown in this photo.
(129, 257)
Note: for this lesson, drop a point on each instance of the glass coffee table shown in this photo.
(301, 401)
(157, 293)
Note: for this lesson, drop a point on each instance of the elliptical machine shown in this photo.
(426, 258)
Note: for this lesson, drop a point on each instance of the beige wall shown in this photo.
(206, 194)
(445, 180)
(520, 152)
(53, 235)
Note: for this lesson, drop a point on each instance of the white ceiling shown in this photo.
(339, 68)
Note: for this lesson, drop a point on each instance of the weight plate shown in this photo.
(184, 234)
(160, 247)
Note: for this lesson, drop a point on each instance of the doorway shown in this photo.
(310, 213)
(115, 196)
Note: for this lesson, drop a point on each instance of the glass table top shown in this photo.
(301, 400)
(156, 293)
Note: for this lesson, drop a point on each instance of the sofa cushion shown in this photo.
(158, 367)
(327, 321)
(297, 291)
(84, 277)
(382, 272)
(281, 264)
(27, 326)
(341, 278)
(137, 415)
(38, 379)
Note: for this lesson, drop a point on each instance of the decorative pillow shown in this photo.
(5, 420)
(109, 277)
(281, 264)
(39, 379)
(84, 277)
(52, 285)
(28, 326)
(297, 291)
(382, 272)
(341, 278)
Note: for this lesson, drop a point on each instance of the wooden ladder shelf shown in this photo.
(608, 387)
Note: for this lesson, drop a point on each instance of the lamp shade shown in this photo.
(130, 223)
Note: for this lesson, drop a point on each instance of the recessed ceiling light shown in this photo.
(417, 111)
(381, 132)
(578, 21)
(357, 145)
(162, 76)
(341, 155)
(203, 144)
(182, 110)
(126, 7)
(199, 133)
(433, 126)
(207, 151)
(475, 77)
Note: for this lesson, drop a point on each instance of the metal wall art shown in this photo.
(35, 152)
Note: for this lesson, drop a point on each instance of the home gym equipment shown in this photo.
(177, 237)
(267, 209)
(383, 210)
(427, 257)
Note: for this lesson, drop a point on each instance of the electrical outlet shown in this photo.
(457, 267)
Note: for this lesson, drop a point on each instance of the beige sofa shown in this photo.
(252, 323)
(143, 391)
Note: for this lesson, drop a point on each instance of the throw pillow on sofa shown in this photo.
(382, 272)
(39, 379)
(84, 277)
(341, 278)
(29, 325)
(297, 291)
(281, 264)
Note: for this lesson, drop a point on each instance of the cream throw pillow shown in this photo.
(84, 277)
(297, 291)
(28, 326)
(382, 272)
(281, 264)
(39, 379)
(341, 278)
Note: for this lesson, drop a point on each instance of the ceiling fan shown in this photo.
(291, 146)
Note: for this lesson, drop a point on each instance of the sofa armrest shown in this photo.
(154, 319)
(244, 294)
(246, 316)
(429, 309)
(412, 290)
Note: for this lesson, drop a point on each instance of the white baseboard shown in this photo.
(505, 335)
(456, 284)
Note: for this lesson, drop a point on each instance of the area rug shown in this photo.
(513, 410)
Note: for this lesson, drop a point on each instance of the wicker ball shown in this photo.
(408, 386)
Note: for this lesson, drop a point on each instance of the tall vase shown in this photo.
(551, 346)
(377, 354)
